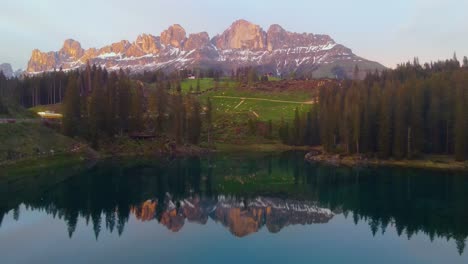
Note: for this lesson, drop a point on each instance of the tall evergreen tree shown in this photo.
(137, 110)
(124, 103)
(71, 108)
(461, 117)
(385, 122)
(209, 119)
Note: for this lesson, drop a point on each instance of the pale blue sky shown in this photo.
(386, 31)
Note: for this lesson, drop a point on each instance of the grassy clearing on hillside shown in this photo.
(16, 111)
(259, 109)
(206, 84)
(301, 96)
(27, 140)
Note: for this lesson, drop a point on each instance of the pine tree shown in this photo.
(435, 114)
(385, 123)
(177, 116)
(161, 108)
(297, 128)
(314, 139)
(415, 137)
(270, 129)
(112, 105)
(356, 72)
(195, 122)
(198, 86)
(71, 108)
(137, 111)
(124, 103)
(252, 76)
(461, 117)
(97, 111)
(209, 118)
(179, 86)
(400, 124)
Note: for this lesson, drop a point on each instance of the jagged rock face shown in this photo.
(41, 61)
(71, 50)
(197, 41)
(174, 36)
(89, 54)
(242, 35)
(117, 48)
(244, 44)
(7, 70)
(278, 38)
(134, 51)
(148, 43)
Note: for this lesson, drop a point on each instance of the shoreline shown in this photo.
(88, 155)
(430, 162)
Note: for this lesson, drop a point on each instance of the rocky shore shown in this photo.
(438, 162)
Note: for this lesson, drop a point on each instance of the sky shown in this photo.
(389, 32)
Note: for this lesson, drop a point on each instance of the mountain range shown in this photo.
(7, 70)
(274, 51)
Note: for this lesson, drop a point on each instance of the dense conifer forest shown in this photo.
(402, 113)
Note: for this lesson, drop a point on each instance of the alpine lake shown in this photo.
(232, 208)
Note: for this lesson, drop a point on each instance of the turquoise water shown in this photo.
(232, 209)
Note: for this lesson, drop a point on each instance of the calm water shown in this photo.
(227, 209)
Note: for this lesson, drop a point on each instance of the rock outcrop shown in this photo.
(242, 35)
(174, 36)
(42, 61)
(149, 44)
(197, 41)
(71, 50)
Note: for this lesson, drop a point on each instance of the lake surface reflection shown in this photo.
(233, 209)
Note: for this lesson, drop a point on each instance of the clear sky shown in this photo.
(389, 32)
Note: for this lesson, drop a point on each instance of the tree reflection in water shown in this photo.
(244, 194)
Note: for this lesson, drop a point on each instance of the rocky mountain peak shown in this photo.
(42, 61)
(276, 37)
(175, 36)
(148, 43)
(275, 28)
(197, 41)
(242, 34)
(71, 49)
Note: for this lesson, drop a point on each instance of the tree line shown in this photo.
(100, 105)
(402, 113)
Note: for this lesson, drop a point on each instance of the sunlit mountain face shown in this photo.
(275, 50)
(246, 196)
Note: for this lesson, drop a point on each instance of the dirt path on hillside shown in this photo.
(263, 99)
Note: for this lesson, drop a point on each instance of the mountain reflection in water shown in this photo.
(240, 217)
(243, 194)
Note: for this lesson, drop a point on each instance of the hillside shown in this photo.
(24, 136)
